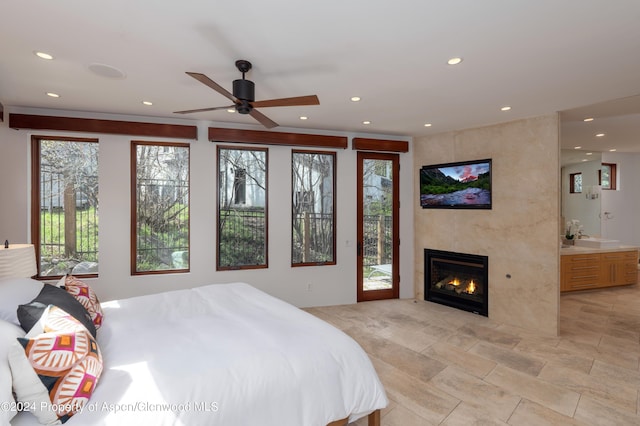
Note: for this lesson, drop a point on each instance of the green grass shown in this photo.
(52, 233)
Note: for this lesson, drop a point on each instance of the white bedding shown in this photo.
(224, 354)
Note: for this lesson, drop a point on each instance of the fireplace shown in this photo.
(458, 280)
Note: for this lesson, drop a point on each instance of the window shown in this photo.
(160, 207)
(64, 205)
(575, 183)
(242, 208)
(607, 176)
(313, 213)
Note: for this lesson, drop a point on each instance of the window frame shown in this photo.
(613, 171)
(134, 207)
(572, 183)
(36, 226)
(219, 173)
(334, 156)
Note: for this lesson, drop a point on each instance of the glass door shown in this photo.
(378, 239)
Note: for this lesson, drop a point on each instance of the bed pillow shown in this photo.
(9, 332)
(86, 296)
(55, 367)
(30, 313)
(13, 292)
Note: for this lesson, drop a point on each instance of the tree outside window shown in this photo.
(313, 208)
(65, 205)
(242, 208)
(607, 176)
(160, 203)
(575, 183)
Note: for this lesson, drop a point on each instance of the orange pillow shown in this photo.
(86, 296)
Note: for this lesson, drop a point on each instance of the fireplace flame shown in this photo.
(455, 282)
(471, 288)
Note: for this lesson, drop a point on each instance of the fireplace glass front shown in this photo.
(458, 280)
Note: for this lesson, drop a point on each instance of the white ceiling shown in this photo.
(537, 56)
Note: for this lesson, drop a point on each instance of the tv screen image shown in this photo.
(460, 185)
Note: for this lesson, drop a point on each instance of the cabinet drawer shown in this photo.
(630, 277)
(580, 258)
(582, 285)
(613, 256)
(581, 269)
(584, 280)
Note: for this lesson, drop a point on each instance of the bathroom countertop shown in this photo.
(589, 250)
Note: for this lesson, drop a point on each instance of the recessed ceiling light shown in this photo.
(43, 55)
(505, 108)
(366, 122)
(454, 61)
(588, 119)
(599, 135)
(355, 98)
(231, 110)
(589, 153)
(427, 125)
(147, 103)
(612, 150)
(577, 147)
(53, 95)
(584, 159)
(302, 117)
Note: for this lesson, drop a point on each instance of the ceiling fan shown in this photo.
(244, 99)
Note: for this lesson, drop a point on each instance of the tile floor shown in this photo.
(442, 366)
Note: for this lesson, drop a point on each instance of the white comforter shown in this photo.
(224, 354)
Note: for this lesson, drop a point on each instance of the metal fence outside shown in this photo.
(312, 238)
(378, 233)
(68, 225)
(242, 237)
(162, 240)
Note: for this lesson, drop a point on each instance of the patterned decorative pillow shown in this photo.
(56, 367)
(86, 296)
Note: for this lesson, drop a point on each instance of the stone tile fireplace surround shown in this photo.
(520, 234)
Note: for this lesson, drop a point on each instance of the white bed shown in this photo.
(225, 354)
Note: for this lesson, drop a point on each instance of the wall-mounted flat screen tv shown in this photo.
(461, 185)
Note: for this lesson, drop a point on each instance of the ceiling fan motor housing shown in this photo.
(244, 90)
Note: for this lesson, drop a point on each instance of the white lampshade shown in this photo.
(19, 260)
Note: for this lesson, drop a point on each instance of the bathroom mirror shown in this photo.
(584, 203)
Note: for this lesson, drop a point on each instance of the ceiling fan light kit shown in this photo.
(244, 96)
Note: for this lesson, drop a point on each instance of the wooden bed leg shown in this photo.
(374, 418)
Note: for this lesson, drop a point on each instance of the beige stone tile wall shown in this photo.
(519, 234)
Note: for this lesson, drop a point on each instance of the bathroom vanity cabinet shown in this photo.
(586, 268)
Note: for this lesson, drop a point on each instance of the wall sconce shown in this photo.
(592, 192)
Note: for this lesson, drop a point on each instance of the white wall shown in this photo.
(623, 222)
(329, 284)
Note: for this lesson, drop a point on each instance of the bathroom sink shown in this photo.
(596, 243)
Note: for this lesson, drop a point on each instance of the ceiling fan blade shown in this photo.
(263, 119)
(296, 101)
(215, 86)
(189, 111)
